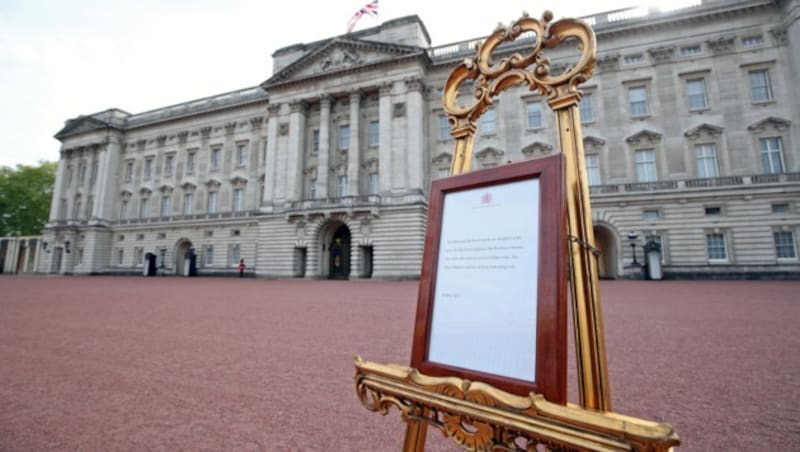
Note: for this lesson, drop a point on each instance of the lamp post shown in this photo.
(632, 236)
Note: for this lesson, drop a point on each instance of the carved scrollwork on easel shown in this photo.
(480, 417)
(533, 69)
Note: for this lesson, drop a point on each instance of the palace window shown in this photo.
(128, 171)
(782, 208)
(312, 189)
(211, 205)
(637, 58)
(696, 94)
(144, 208)
(138, 256)
(238, 199)
(188, 203)
(216, 155)
(236, 254)
(771, 154)
(344, 137)
(651, 214)
(534, 114)
(587, 113)
(341, 186)
(785, 246)
(373, 139)
(645, 165)
(752, 41)
(489, 122)
(120, 256)
(82, 178)
(190, 161)
(69, 175)
(166, 205)
(444, 128)
(637, 99)
(706, 156)
(688, 51)
(372, 188)
(713, 211)
(241, 154)
(593, 168)
(716, 247)
(76, 208)
(148, 168)
(314, 142)
(209, 255)
(760, 86)
(123, 210)
(62, 209)
(169, 165)
(162, 257)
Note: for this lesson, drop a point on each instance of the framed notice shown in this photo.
(492, 300)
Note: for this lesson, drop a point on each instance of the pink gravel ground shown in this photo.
(106, 363)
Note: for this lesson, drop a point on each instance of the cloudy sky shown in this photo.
(60, 59)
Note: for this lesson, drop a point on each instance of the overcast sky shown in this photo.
(60, 59)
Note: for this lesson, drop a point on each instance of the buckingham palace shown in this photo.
(322, 170)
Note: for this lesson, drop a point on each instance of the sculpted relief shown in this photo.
(339, 58)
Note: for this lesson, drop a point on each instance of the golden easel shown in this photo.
(479, 416)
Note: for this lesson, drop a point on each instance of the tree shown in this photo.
(25, 193)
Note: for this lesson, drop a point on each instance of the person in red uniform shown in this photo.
(241, 268)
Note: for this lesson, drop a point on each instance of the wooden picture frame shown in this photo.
(492, 297)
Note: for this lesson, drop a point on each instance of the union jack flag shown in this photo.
(370, 9)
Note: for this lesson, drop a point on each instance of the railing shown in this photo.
(206, 103)
(189, 217)
(345, 201)
(699, 183)
(448, 51)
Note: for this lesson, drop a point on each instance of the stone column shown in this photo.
(271, 162)
(58, 188)
(296, 154)
(416, 139)
(107, 178)
(353, 151)
(251, 193)
(323, 158)
(385, 150)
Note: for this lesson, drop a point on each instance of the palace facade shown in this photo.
(690, 133)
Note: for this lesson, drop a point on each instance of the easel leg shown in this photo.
(416, 431)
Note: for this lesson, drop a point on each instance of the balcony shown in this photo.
(695, 184)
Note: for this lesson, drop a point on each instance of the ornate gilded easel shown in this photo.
(476, 415)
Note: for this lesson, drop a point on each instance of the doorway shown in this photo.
(339, 256)
(606, 243)
(183, 247)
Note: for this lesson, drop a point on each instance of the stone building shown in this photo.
(322, 170)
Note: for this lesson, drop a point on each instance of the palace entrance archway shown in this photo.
(606, 242)
(335, 258)
(181, 248)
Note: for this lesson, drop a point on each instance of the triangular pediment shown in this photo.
(444, 157)
(704, 130)
(339, 55)
(593, 142)
(81, 124)
(644, 136)
(537, 148)
(771, 122)
(489, 153)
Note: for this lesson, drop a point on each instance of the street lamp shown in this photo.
(632, 236)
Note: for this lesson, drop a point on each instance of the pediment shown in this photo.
(338, 55)
(186, 186)
(125, 194)
(489, 153)
(79, 125)
(771, 122)
(144, 191)
(593, 142)
(444, 157)
(236, 180)
(213, 183)
(535, 148)
(644, 136)
(704, 130)
(166, 188)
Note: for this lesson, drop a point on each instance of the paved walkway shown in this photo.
(106, 363)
